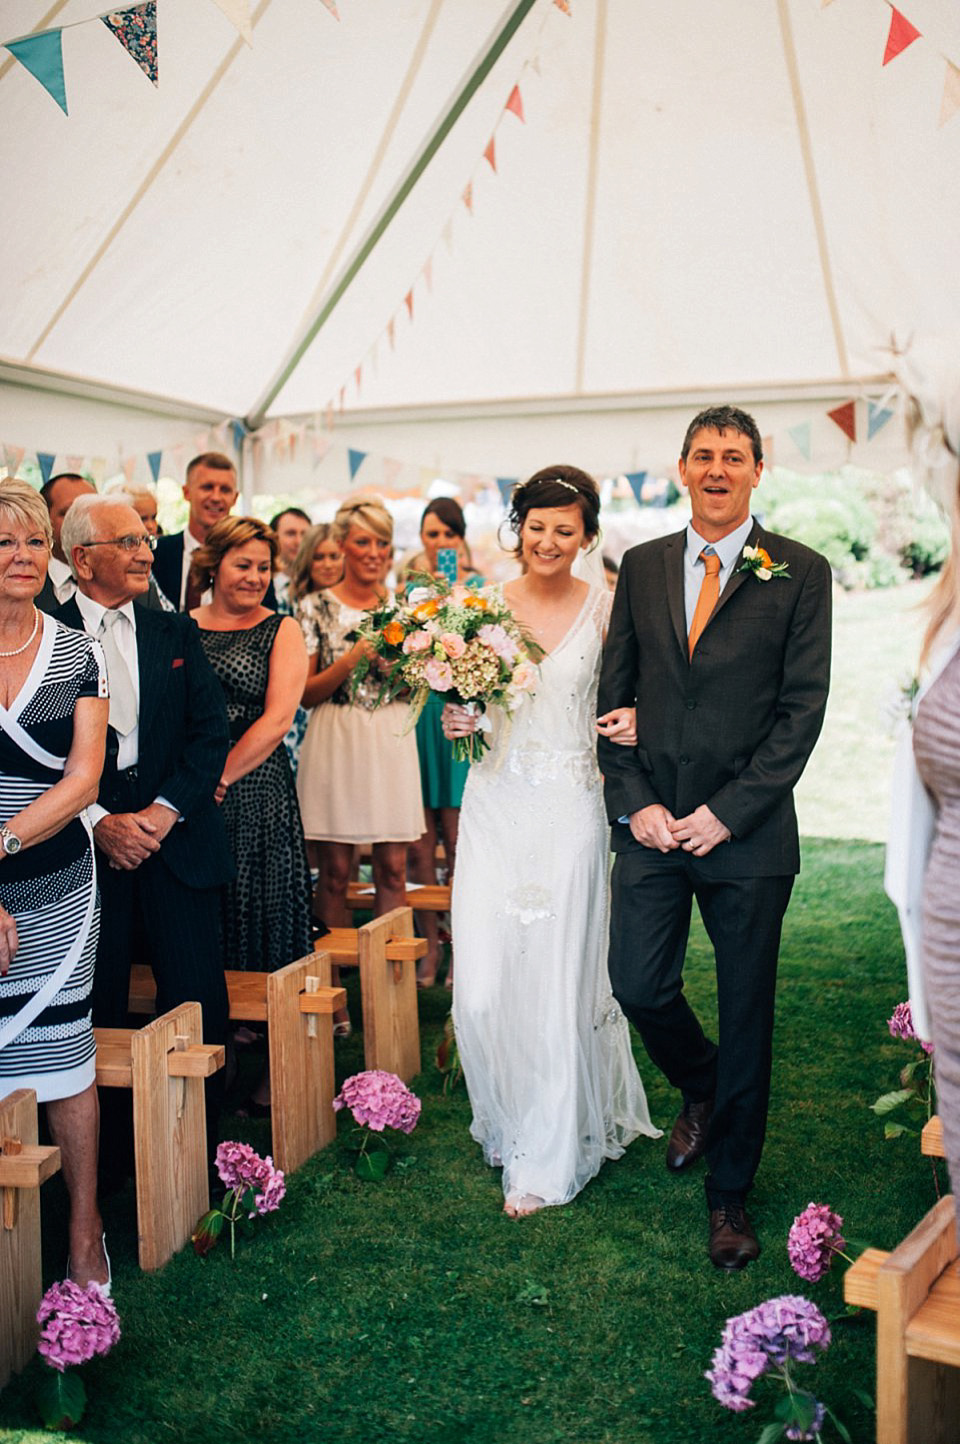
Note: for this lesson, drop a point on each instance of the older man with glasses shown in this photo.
(162, 849)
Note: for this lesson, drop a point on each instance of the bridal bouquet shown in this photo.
(466, 647)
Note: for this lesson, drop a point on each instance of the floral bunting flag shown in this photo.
(490, 154)
(845, 417)
(45, 460)
(238, 13)
(515, 103)
(332, 7)
(154, 458)
(468, 196)
(800, 436)
(136, 29)
(877, 417)
(950, 103)
(355, 460)
(900, 35)
(42, 55)
(563, 5)
(12, 457)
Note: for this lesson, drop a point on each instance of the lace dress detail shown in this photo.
(545, 1048)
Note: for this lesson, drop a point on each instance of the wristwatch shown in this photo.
(9, 841)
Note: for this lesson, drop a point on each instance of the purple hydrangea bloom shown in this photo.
(240, 1168)
(379, 1100)
(813, 1240)
(901, 1026)
(75, 1324)
(787, 1327)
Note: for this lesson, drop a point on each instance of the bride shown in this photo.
(545, 1049)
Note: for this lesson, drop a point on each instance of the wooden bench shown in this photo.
(931, 1138)
(385, 951)
(915, 1291)
(427, 898)
(164, 1064)
(23, 1167)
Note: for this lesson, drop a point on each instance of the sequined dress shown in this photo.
(545, 1048)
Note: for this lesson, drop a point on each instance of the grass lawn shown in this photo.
(412, 1310)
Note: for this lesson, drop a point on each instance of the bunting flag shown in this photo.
(877, 418)
(901, 34)
(563, 5)
(98, 470)
(468, 196)
(636, 480)
(845, 417)
(42, 55)
(392, 332)
(408, 302)
(490, 154)
(515, 103)
(238, 432)
(74, 463)
(428, 272)
(45, 460)
(154, 459)
(332, 7)
(505, 485)
(12, 457)
(391, 470)
(950, 103)
(356, 460)
(238, 13)
(800, 436)
(129, 467)
(136, 29)
(321, 445)
(358, 376)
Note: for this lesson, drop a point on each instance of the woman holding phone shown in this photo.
(443, 537)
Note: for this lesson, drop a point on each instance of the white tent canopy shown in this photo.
(702, 201)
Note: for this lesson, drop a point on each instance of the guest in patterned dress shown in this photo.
(53, 723)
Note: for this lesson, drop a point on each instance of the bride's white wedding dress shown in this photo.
(544, 1046)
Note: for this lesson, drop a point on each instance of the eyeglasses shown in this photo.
(126, 543)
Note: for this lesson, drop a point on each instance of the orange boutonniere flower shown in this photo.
(393, 634)
(759, 561)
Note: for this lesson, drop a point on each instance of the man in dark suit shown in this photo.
(211, 490)
(162, 850)
(720, 635)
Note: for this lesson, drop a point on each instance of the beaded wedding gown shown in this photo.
(544, 1046)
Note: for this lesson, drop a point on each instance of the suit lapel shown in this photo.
(673, 569)
(151, 672)
(737, 579)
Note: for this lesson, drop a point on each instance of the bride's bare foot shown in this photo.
(518, 1205)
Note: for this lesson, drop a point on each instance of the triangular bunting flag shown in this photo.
(427, 477)
(42, 55)
(505, 485)
(428, 272)
(221, 431)
(98, 470)
(321, 445)
(800, 436)
(136, 29)
(515, 102)
(563, 5)
(129, 467)
(332, 7)
(238, 432)
(636, 480)
(356, 460)
(877, 418)
(238, 13)
(358, 375)
(901, 34)
(408, 302)
(490, 154)
(468, 196)
(391, 470)
(154, 458)
(950, 103)
(74, 463)
(45, 460)
(845, 417)
(12, 457)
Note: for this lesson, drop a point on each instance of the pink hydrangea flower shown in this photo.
(901, 1026)
(75, 1325)
(241, 1168)
(417, 642)
(273, 1191)
(786, 1328)
(379, 1100)
(813, 1240)
(438, 674)
(453, 644)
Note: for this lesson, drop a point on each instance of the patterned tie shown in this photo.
(707, 600)
(123, 701)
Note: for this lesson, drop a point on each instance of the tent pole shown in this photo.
(510, 22)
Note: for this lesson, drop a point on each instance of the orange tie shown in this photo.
(707, 600)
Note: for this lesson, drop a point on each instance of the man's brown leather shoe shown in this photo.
(689, 1136)
(733, 1243)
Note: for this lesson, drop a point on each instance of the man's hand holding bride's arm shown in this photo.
(700, 832)
(619, 726)
(458, 721)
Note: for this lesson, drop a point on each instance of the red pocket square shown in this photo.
(178, 662)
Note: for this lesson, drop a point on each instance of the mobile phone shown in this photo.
(448, 564)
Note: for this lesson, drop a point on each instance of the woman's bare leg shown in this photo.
(389, 876)
(75, 1129)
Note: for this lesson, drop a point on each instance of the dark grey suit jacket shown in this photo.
(734, 727)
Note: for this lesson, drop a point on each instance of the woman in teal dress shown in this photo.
(442, 778)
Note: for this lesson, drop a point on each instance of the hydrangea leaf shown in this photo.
(61, 1399)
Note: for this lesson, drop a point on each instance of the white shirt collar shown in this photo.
(92, 612)
(728, 548)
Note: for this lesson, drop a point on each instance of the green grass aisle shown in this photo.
(412, 1310)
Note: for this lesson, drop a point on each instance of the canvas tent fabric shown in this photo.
(699, 200)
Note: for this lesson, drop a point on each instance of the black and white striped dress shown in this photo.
(47, 888)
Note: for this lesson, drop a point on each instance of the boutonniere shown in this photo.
(759, 561)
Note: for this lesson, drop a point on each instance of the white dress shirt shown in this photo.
(61, 579)
(728, 549)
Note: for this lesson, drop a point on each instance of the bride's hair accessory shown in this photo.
(556, 480)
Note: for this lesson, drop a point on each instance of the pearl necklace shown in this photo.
(17, 650)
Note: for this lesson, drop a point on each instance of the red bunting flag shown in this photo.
(408, 302)
(490, 154)
(515, 102)
(901, 34)
(358, 376)
(468, 196)
(332, 7)
(950, 101)
(845, 417)
(563, 5)
(392, 332)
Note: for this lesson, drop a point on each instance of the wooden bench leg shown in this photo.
(391, 1028)
(300, 1008)
(23, 1167)
(169, 1129)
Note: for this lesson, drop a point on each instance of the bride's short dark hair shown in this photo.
(555, 486)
